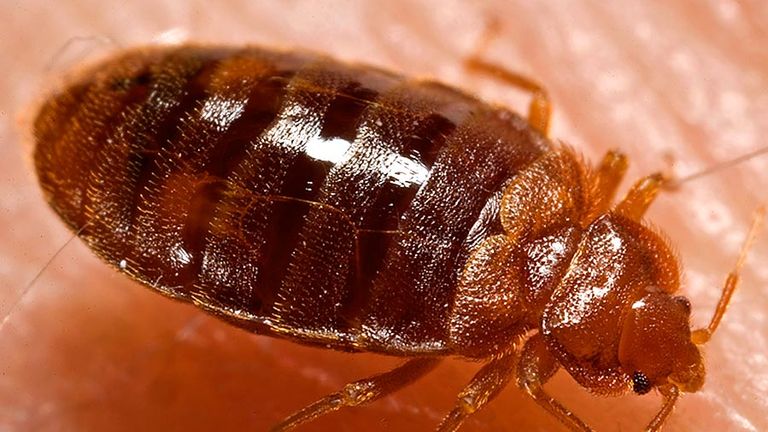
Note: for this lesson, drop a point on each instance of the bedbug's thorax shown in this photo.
(595, 284)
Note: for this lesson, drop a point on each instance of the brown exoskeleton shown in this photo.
(345, 206)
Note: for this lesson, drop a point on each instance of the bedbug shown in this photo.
(345, 206)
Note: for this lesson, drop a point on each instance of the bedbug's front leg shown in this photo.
(670, 393)
(641, 196)
(536, 367)
(609, 174)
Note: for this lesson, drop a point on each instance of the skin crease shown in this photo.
(89, 350)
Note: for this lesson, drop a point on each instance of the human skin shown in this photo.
(87, 349)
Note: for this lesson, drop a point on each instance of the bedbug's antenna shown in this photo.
(674, 183)
(703, 335)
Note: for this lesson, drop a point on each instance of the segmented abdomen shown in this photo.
(286, 192)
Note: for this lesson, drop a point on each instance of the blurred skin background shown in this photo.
(89, 350)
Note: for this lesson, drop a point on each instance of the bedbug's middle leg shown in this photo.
(485, 386)
(361, 392)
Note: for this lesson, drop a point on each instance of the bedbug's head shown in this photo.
(656, 346)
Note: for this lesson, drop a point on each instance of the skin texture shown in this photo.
(87, 349)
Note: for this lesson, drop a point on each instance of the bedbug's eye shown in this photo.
(640, 383)
(684, 303)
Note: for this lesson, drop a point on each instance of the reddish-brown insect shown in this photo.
(347, 207)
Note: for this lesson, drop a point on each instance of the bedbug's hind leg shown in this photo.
(535, 368)
(485, 386)
(361, 392)
(540, 108)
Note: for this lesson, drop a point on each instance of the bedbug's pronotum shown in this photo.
(344, 206)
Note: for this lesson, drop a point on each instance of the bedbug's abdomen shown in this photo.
(285, 192)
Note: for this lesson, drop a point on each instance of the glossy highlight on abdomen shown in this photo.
(286, 192)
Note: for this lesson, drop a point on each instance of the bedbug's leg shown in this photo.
(361, 392)
(640, 197)
(535, 368)
(485, 386)
(670, 394)
(609, 174)
(540, 108)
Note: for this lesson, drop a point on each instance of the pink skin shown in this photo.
(89, 350)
